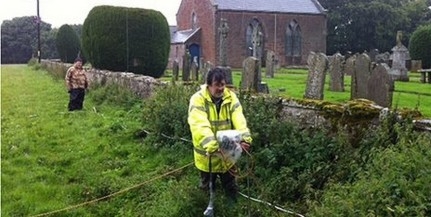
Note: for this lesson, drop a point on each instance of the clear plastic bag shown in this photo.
(229, 142)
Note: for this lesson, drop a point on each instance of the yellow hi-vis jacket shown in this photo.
(205, 122)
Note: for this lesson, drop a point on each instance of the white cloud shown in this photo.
(59, 12)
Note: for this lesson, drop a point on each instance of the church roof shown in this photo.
(282, 6)
(180, 37)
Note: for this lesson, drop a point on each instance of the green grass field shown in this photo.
(52, 159)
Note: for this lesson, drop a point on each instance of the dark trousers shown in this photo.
(76, 99)
(227, 181)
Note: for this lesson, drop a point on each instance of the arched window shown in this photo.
(254, 34)
(194, 21)
(293, 39)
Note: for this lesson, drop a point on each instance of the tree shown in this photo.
(19, 40)
(68, 44)
(48, 46)
(359, 25)
(420, 45)
(78, 29)
(126, 39)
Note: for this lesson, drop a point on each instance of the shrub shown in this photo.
(394, 183)
(113, 95)
(420, 45)
(33, 62)
(127, 39)
(166, 112)
(68, 44)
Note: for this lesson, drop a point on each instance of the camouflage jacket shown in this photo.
(76, 78)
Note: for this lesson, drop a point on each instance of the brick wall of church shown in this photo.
(313, 30)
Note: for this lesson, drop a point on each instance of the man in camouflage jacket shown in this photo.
(76, 83)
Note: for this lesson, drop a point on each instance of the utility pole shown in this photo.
(38, 33)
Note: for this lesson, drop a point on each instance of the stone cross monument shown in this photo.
(399, 56)
(223, 30)
(256, 40)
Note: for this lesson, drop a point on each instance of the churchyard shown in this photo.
(112, 167)
(292, 83)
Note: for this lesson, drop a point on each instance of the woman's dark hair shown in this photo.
(217, 75)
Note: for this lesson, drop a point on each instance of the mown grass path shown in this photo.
(52, 158)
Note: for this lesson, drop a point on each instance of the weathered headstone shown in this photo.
(208, 66)
(416, 65)
(250, 80)
(383, 58)
(228, 72)
(257, 40)
(381, 86)
(175, 70)
(360, 77)
(336, 81)
(270, 64)
(349, 66)
(317, 66)
(373, 53)
(223, 30)
(399, 56)
(186, 66)
(195, 69)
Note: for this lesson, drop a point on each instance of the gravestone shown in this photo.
(223, 30)
(416, 65)
(317, 66)
(228, 73)
(381, 86)
(175, 70)
(270, 64)
(257, 40)
(195, 69)
(208, 66)
(360, 77)
(383, 58)
(249, 79)
(373, 54)
(336, 81)
(186, 66)
(400, 54)
(349, 66)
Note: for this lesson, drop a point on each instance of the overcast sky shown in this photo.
(59, 12)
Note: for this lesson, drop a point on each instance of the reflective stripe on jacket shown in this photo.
(205, 122)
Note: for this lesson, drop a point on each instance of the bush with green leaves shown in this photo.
(294, 166)
(394, 183)
(113, 95)
(68, 44)
(166, 113)
(34, 64)
(127, 39)
(420, 45)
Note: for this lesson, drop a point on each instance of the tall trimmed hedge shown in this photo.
(420, 45)
(127, 39)
(68, 44)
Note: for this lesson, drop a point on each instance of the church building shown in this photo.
(289, 28)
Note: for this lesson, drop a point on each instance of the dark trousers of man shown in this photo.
(227, 181)
(76, 98)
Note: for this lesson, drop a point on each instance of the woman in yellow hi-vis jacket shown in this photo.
(211, 109)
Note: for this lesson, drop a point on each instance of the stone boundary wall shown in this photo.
(141, 85)
(308, 114)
